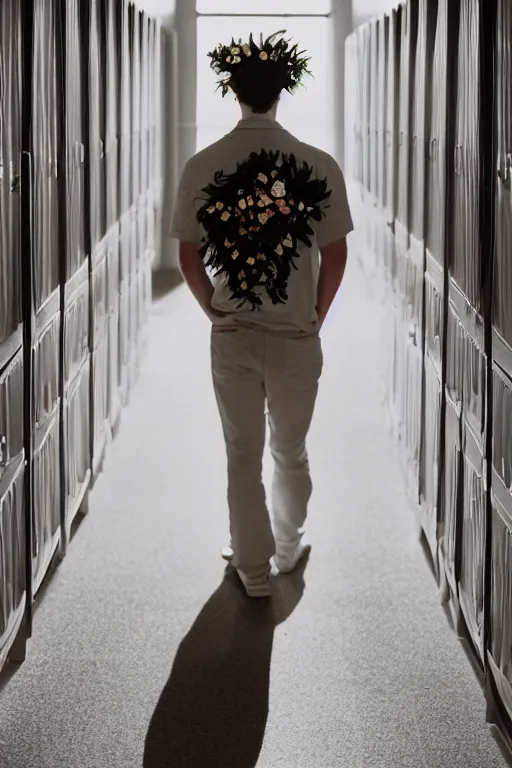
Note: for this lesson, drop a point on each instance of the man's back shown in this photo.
(256, 135)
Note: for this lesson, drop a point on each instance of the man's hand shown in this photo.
(332, 270)
(194, 273)
(214, 313)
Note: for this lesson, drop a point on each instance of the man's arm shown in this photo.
(332, 270)
(194, 273)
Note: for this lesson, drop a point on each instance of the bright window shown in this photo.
(236, 7)
(307, 114)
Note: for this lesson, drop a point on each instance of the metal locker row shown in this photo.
(14, 594)
(79, 175)
(446, 267)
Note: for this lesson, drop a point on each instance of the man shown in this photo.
(255, 208)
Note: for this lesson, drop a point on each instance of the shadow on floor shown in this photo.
(165, 281)
(214, 709)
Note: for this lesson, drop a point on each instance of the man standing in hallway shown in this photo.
(256, 208)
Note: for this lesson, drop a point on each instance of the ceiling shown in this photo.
(362, 9)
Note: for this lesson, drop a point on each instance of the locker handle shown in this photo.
(4, 455)
(506, 174)
(458, 159)
(79, 153)
(432, 149)
(15, 179)
(30, 161)
(53, 167)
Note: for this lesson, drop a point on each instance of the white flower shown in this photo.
(264, 56)
(247, 50)
(211, 209)
(274, 174)
(237, 60)
(235, 255)
(242, 205)
(263, 178)
(263, 218)
(235, 51)
(301, 206)
(279, 190)
(288, 242)
(229, 60)
(251, 260)
(226, 215)
(244, 286)
(279, 250)
(220, 206)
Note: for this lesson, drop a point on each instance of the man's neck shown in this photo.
(248, 114)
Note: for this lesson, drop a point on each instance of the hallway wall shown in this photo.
(427, 127)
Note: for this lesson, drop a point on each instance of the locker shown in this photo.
(46, 510)
(421, 115)
(46, 153)
(502, 310)
(472, 541)
(10, 159)
(77, 454)
(499, 654)
(408, 33)
(112, 121)
(96, 127)
(74, 140)
(12, 554)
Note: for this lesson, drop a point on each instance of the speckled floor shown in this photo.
(146, 654)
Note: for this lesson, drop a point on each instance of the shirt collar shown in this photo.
(252, 123)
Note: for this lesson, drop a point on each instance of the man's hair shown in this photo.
(258, 84)
(258, 74)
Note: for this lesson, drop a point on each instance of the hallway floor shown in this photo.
(146, 654)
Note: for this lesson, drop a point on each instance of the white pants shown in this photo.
(254, 370)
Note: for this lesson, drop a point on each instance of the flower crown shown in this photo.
(228, 58)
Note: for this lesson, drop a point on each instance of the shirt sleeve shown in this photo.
(184, 224)
(337, 222)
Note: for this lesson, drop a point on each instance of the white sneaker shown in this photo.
(286, 562)
(227, 553)
(256, 585)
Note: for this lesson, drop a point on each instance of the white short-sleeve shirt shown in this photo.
(297, 316)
